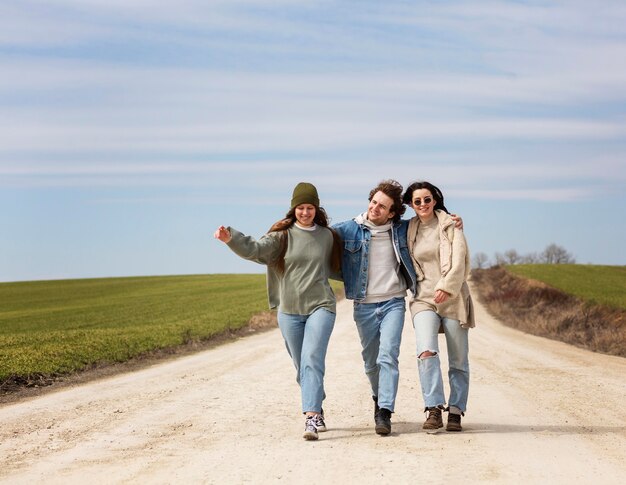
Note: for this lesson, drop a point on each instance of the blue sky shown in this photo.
(130, 130)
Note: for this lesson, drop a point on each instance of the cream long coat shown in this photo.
(455, 268)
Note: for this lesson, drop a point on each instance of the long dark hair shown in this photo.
(321, 219)
(437, 195)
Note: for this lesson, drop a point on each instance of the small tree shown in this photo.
(554, 254)
(531, 258)
(511, 257)
(480, 260)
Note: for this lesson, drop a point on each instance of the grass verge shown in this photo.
(538, 308)
(51, 331)
(53, 328)
(605, 285)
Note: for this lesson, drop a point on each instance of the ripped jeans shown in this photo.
(426, 325)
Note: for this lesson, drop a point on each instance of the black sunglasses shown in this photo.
(418, 201)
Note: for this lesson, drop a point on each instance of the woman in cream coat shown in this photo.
(442, 303)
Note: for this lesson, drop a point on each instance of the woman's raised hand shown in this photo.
(222, 234)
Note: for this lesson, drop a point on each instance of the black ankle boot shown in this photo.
(383, 421)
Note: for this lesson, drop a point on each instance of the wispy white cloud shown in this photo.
(120, 90)
(534, 71)
(125, 120)
(66, 23)
(543, 195)
(246, 137)
(464, 175)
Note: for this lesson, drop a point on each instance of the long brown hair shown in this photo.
(321, 219)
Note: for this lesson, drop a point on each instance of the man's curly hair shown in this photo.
(393, 189)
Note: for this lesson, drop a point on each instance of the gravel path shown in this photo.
(539, 412)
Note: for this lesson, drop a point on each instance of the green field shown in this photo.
(57, 327)
(605, 285)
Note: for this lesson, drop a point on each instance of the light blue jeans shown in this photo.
(426, 325)
(306, 338)
(380, 329)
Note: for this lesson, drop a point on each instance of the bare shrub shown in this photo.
(554, 254)
(500, 259)
(534, 307)
(531, 258)
(512, 257)
(480, 260)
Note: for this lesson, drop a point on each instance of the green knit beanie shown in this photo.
(305, 193)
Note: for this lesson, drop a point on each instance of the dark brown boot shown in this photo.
(434, 420)
(454, 422)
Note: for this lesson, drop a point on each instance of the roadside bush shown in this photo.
(534, 307)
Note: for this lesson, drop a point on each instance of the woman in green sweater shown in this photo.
(441, 304)
(300, 252)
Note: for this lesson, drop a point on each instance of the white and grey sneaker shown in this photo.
(319, 422)
(310, 428)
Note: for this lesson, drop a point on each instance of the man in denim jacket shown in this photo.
(377, 270)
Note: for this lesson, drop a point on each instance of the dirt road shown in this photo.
(539, 412)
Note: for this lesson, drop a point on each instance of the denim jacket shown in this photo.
(355, 258)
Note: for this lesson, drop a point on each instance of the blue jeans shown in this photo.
(426, 325)
(306, 338)
(380, 329)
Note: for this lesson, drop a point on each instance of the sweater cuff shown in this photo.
(443, 287)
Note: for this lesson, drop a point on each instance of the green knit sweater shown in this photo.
(304, 286)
